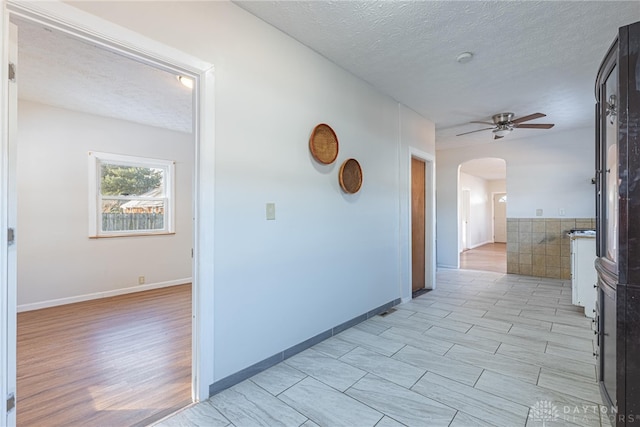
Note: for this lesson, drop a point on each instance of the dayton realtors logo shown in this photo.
(544, 411)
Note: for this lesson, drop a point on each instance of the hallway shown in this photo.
(483, 349)
(489, 257)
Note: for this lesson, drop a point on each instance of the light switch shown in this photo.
(538, 212)
(271, 211)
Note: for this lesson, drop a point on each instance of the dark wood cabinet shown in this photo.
(618, 225)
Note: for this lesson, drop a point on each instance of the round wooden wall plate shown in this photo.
(350, 176)
(324, 144)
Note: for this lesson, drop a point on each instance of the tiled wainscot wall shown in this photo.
(540, 247)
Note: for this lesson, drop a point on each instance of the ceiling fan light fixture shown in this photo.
(504, 123)
(502, 131)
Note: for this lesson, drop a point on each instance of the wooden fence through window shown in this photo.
(132, 221)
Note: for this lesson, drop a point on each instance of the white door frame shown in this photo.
(429, 218)
(8, 265)
(465, 217)
(113, 37)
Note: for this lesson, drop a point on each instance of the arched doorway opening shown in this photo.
(482, 235)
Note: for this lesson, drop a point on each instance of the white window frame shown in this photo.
(96, 159)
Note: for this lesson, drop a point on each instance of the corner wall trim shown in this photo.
(265, 364)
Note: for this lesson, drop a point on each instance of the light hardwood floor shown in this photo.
(118, 361)
(489, 257)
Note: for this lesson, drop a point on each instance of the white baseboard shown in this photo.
(447, 266)
(481, 244)
(98, 295)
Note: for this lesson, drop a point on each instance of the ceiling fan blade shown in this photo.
(529, 117)
(484, 123)
(535, 126)
(497, 136)
(473, 131)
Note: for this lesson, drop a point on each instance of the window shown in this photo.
(129, 196)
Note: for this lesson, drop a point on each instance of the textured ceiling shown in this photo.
(59, 70)
(529, 56)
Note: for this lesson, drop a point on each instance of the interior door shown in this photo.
(8, 370)
(500, 218)
(418, 206)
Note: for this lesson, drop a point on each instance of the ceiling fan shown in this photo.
(504, 123)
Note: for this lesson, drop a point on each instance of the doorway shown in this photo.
(55, 133)
(482, 195)
(418, 216)
(71, 21)
(500, 218)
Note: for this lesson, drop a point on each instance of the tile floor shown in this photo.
(484, 349)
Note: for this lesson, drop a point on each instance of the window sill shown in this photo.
(110, 236)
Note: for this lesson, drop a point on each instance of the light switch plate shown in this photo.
(538, 212)
(271, 211)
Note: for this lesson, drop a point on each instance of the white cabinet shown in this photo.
(583, 273)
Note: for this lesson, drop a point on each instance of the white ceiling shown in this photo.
(488, 168)
(57, 69)
(529, 56)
